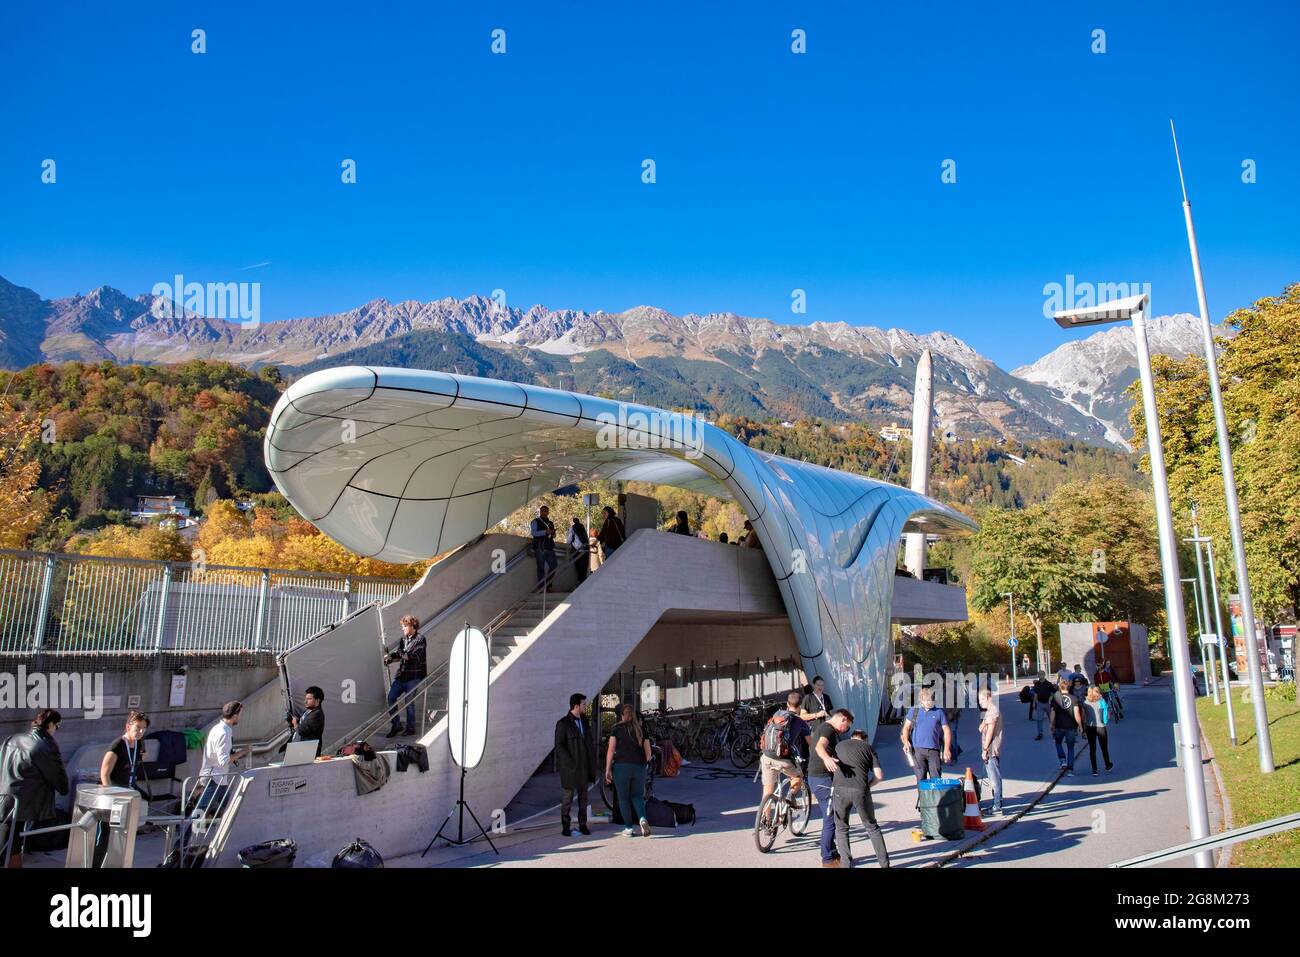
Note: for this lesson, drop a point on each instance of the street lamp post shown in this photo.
(1265, 742)
(1200, 639)
(1189, 732)
(1205, 600)
(1223, 641)
(1011, 608)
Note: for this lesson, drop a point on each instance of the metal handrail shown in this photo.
(1248, 833)
(371, 725)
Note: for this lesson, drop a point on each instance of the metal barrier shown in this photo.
(9, 823)
(208, 807)
(1248, 833)
(80, 604)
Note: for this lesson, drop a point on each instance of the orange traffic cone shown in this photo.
(972, 820)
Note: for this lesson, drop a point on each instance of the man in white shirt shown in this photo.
(219, 755)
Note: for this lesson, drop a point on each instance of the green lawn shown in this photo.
(1255, 796)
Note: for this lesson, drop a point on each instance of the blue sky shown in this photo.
(775, 171)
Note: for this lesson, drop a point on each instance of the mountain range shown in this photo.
(715, 363)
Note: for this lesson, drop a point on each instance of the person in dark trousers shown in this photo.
(1096, 716)
(625, 769)
(858, 766)
(927, 736)
(411, 670)
(611, 532)
(31, 773)
(1066, 719)
(310, 725)
(580, 545)
(821, 771)
(1043, 691)
(121, 768)
(542, 530)
(575, 760)
(681, 526)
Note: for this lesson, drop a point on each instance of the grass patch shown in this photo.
(1254, 796)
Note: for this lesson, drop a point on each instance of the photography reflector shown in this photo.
(467, 697)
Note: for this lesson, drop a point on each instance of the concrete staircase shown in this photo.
(519, 625)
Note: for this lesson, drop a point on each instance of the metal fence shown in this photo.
(69, 604)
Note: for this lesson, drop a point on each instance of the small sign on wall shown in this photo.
(285, 787)
(133, 702)
(177, 697)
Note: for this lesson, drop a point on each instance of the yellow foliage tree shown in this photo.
(23, 505)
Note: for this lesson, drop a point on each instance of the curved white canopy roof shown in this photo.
(401, 464)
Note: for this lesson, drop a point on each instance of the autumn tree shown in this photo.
(24, 506)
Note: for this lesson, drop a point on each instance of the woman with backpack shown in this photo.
(1096, 715)
(625, 769)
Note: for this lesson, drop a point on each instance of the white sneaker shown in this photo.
(629, 832)
(645, 828)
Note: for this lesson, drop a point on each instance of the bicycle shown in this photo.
(1113, 702)
(780, 809)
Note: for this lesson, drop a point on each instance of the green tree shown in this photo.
(1027, 553)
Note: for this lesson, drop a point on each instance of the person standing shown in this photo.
(821, 771)
(1043, 691)
(611, 533)
(580, 545)
(681, 525)
(542, 530)
(625, 769)
(411, 670)
(310, 725)
(991, 746)
(1096, 716)
(1066, 719)
(858, 766)
(927, 736)
(121, 768)
(817, 704)
(31, 773)
(575, 760)
(750, 538)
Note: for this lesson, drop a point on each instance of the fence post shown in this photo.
(263, 612)
(43, 609)
(160, 632)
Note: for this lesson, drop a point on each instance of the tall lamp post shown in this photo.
(1189, 733)
(1265, 742)
(1201, 630)
(1204, 612)
(1218, 626)
(1011, 608)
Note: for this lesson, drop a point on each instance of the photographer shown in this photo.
(310, 725)
(410, 672)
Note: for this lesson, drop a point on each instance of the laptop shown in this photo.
(299, 752)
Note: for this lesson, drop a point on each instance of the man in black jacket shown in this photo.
(310, 725)
(575, 760)
(411, 670)
(31, 771)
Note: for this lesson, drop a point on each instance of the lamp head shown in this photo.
(1117, 310)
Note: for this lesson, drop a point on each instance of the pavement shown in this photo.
(1078, 821)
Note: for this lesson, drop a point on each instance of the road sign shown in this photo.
(1012, 642)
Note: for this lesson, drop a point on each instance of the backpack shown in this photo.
(659, 813)
(775, 742)
(1026, 695)
(671, 761)
(684, 813)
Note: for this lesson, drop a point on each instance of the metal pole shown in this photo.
(1200, 643)
(1011, 607)
(1265, 742)
(1198, 818)
(1205, 601)
(1223, 644)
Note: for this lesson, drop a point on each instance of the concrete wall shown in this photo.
(918, 602)
(1077, 647)
(576, 648)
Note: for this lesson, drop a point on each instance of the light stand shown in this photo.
(461, 805)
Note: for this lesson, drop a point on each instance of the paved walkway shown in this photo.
(1084, 821)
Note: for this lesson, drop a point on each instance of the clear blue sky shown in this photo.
(775, 171)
